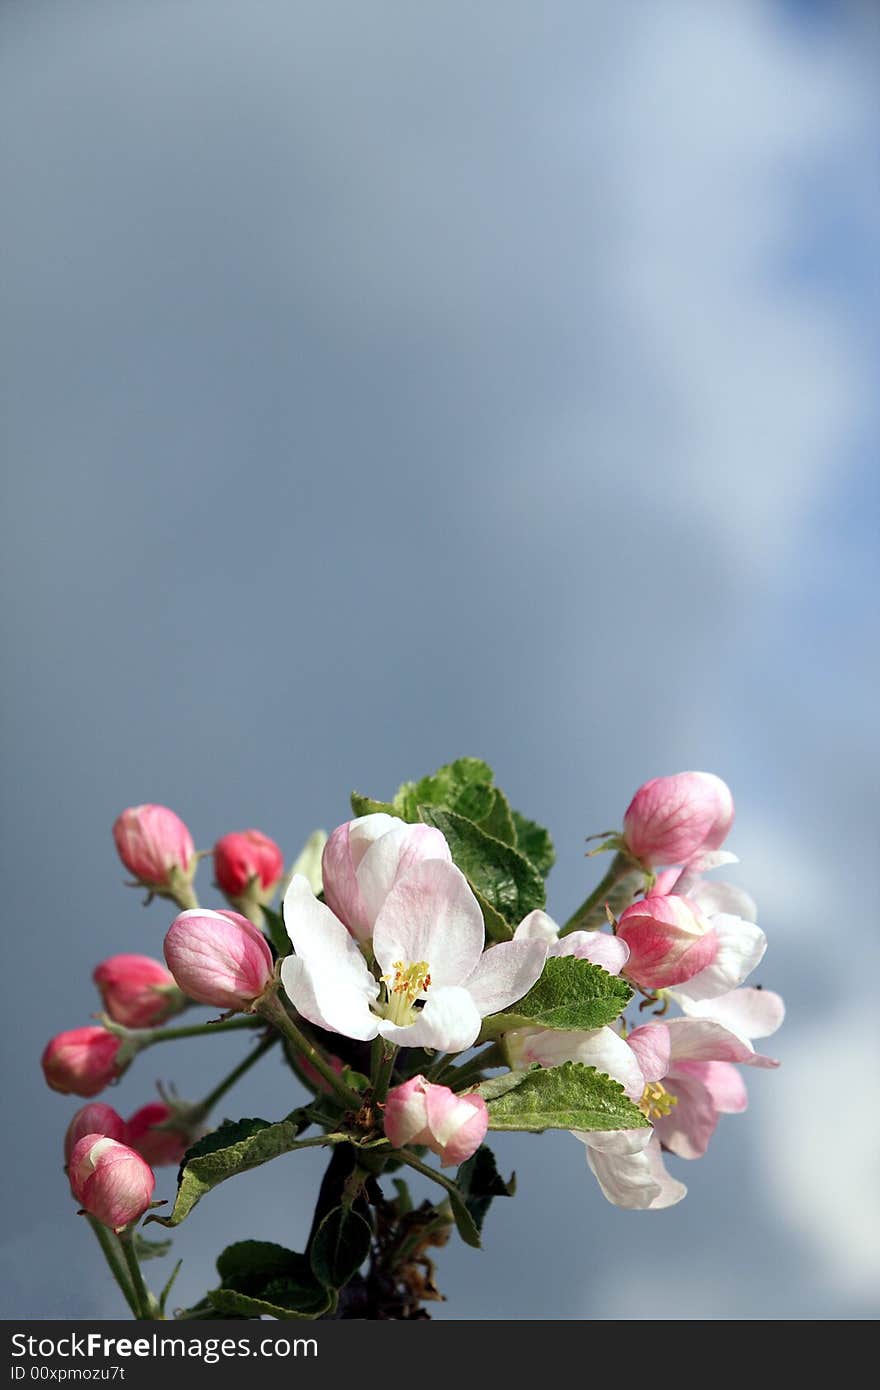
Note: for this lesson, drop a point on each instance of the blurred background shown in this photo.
(383, 383)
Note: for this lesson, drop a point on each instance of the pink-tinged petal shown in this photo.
(449, 1022)
(458, 1124)
(636, 1181)
(364, 831)
(601, 1048)
(651, 1045)
(406, 1113)
(703, 1040)
(598, 946)
(672, 818)
(504, 974)
(690, 1124)
(327, 980)
(752, 1013)
(431, 915)
(715, 898)
(723, 1082)
(342, 854)
(391, 856)
(741, 946)
(537, 926)
(669, 941)
(666, 882)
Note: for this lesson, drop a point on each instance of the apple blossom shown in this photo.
(137, 991)
(435, 981)
(152, 1132)
(748, 1012)
(670, 818)
(245, 861)
(669, 940)
(364, 858)
(82, 1061)
(421, 1112)
(600, 947)
(687, 882)
(110, 1181)
(156, 848)
(218, 958)
(94, 1118)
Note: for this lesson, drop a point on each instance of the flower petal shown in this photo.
(637, 1181)
(449, 1022)
(389, 857)
(741, 945)
(505, 973)
(691, 1122)
(601, 1048)
(752, 1013)
(431, 915)
(537, 926)
(598, 946)
(340, 1006)
(327, 980)
(651, 1045)
(723, 1082)
(704, 1040)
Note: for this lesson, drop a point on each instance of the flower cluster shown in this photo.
(417, 987)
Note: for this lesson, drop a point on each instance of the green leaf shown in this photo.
(568, 1097)
(340, 1246)
(232, 1148)
(366, 806)
(498, 873)
(279, 1302)
(281, 1282)
(150, 1249)
(571, 995)
(274, 924)
(479, 1181)
(464, 1222)
(464, 786)
(535, 843)
(497, 927)
(499, 1085)
(499, 821)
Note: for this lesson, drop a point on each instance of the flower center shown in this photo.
(656, 1101)
(408, 982)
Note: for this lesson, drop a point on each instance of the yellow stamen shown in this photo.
(656, 1101)
(404, 987)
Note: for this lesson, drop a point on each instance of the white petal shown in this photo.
(390, 856)
(598, 946)
(366, 830)
(751, 1013)
(505, 973)
(712, 898)
(616, 1141)
(431, 915)
(339, 1006)
(537, 926)
(741, 946)
(601, 1048)
(449, 1022)
(704, 1040)
(637, 1181)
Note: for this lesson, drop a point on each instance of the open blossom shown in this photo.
(137, 991)
(82, 1061)
(671, 818)
(94, 1118)
(218, 958)
(247, 858)
(158, 1133)
(154, 845)
(364, 858)
(435, 984)
(749, 1013)
(110, 1180)
(687, 881)
(420, 1112)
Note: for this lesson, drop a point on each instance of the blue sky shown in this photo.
(491, 379)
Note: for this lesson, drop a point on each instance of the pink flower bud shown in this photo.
(94, 1118)
(82, 1061)
(669, 941)
(137, 991)
(110, 1181)
(419, 1112)
(244, 856)
(364, 858)
(671, 818)
(218, 958)
(159, 1146)
(153, 843)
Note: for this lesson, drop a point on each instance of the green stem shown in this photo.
(424, 1169)
(383, 1066)
(200, 1111)
(113, 1255)
(620, 865)
(274, 1012)
(146, 1308)
(196, 1030)
(459, 1077)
